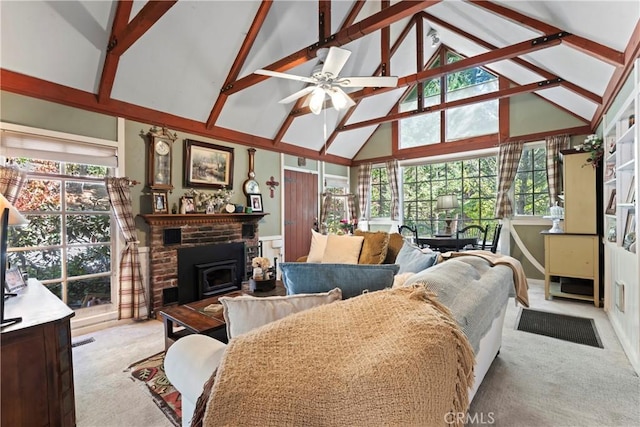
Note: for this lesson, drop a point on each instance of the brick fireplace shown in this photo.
(168, 233)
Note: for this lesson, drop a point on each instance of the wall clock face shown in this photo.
(251, 187)
(162, 147)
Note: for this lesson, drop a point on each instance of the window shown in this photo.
(462, 122)
(67, 244)
(337, 209)
(380, 193)
(531, 192)
(474, 180)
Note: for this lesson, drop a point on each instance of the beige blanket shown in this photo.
(519, 278)
(391, 357)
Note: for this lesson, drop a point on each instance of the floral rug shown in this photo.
(150, 372)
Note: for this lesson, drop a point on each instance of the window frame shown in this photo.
(512, 191)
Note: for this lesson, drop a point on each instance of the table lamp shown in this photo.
(9, 215)
(447, 203)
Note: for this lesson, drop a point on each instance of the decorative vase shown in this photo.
(262, 285)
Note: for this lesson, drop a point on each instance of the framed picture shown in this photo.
(159, 201)
(187, 204)
(631, 195)
(610, 171)
(611, 206)
(255, 202)
(13, 280)
(207, 165)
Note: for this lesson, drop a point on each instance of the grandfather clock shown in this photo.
(160, 158)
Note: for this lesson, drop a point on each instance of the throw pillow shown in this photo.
(353, 280)
(374, 248)
(318, 245)
(395, 244)
(342, 249)
(412, 260)
(246, 312)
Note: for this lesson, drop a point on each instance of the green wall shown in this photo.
(534, 241)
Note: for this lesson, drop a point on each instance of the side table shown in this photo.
(191, 318)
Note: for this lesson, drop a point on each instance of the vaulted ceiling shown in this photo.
(189, 65)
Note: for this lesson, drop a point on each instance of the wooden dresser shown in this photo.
(35, 355)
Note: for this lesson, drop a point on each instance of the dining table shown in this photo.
(445, 242)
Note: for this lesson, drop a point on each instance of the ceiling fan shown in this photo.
(325, 81)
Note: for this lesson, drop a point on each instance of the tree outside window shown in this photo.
(67, 244)
(531, 191)
(380, 206)
(473, 180)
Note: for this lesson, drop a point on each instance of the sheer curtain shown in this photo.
(508, 160)
(132, 295)
(554, 173)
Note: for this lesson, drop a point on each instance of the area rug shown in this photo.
(580, 330)
(150, 372)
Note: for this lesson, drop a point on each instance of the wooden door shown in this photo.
(300, 212)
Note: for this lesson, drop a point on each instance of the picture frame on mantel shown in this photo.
(254, 201)
(207, 165)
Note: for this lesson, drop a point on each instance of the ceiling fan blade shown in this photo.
(298, 94)
(383, 81)
(336, 58)
(285, 76)
(340, 99)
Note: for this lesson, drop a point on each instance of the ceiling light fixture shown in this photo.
(316, 100)
(435, 38)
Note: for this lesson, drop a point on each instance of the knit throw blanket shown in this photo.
(391, 357)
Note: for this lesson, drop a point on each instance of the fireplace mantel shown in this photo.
(194, 219)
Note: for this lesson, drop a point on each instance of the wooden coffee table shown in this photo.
(191, 319)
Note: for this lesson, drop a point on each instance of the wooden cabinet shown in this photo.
(35, 356)
(580, 207)
(572, 256)
(621, 189)
(575, 253)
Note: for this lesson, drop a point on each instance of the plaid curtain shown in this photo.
(364, 185)
(508, 161)
(393, 173)
(132, 295)
(351, 207)
(324, 211)
(554, 173)
(11, 181)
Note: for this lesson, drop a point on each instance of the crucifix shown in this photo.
(272, 184)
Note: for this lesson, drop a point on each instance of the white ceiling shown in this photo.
(179, 66)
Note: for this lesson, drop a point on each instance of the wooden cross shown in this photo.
(272, 183)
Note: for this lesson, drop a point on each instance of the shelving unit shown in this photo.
(621, 260)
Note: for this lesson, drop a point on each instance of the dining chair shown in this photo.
(473, 231)
(404, 230)
(496, 238)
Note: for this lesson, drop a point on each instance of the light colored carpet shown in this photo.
(535, 381)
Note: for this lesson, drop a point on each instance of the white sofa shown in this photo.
(190, 361)
(188, 364)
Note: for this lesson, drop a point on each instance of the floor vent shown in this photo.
(82, 342)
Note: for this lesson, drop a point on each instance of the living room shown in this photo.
(119, 98)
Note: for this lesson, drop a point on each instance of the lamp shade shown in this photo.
(316, 100)
(448, 202)
(15, 217)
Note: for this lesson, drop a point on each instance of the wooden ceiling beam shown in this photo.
(241, 57)
(148, 15)
(506, 52)
(520, 61)
(596, 50)
(371, 24)
(110, 66)
(324, 19)
(506, 93)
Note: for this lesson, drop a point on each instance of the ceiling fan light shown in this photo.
(338, 99)
(316, 100)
